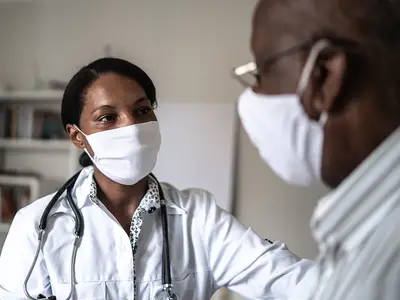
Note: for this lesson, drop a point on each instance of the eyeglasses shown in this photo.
(249, 75)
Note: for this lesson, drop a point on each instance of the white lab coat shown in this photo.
(209, 249)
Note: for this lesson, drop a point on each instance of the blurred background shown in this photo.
(188, 48)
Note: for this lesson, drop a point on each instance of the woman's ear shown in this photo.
(75, 136)
(329, 83)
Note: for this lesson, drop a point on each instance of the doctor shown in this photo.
(326, 106)
(108, 110)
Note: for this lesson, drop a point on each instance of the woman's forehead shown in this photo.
(113, 87)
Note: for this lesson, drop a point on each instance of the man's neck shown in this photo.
(350, 212)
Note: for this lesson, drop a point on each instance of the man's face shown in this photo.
(337, 86)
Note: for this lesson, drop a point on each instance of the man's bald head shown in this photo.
(358, 85)
(356, 18)
(374, 24)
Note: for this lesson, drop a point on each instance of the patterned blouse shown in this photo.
(149, 203)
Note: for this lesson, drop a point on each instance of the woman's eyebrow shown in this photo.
(141, 99)
(103, 107)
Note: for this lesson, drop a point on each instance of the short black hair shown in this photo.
(377, 23)
(374, 25)
(74, 94)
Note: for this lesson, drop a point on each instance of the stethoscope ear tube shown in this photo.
(78, 216)
(79, 228)
(43, 219)
(79, 224)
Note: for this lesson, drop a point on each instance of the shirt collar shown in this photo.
(85, 191)
(348, 215)
(150, 201)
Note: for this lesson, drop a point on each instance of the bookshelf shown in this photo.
(36, 144)
(35, 154)
(31, 96)
(27, 181)
(16, 191)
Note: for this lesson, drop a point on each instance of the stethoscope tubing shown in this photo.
(78, 233)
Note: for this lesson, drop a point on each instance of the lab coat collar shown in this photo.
(348, 215)
(172, 208)
(81, 190)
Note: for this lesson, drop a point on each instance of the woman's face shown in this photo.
(112, 101)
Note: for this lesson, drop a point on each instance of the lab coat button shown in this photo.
(151, 210)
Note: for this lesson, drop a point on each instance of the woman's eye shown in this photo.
(106, 119)
(145, 110)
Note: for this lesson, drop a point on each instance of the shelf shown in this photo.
(31, 95)
(31, 144)
(24, 181)
(4, 227)
(19, 180)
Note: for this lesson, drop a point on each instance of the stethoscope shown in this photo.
(164, 292)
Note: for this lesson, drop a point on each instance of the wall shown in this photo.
(188, 47)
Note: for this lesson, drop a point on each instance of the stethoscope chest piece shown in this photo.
(165, 293)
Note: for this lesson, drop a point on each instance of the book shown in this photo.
(47, 125)
(25, 122)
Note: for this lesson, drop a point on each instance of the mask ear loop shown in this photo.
(307, 70)
(310, 64)
(85, 149)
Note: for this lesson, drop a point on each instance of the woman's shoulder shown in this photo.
(189, 199)
(33, 211)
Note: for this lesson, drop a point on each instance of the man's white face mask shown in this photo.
(126, 154)
(287, 139)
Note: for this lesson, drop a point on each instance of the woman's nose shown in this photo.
(128, 119)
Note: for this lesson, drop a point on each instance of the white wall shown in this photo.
(188, 47)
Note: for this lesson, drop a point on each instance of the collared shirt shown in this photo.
(209, 249)
(357, 228)
(149, 203)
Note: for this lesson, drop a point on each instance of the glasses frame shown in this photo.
(251, 67)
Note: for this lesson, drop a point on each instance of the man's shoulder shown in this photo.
(371, 270)
(382, 249)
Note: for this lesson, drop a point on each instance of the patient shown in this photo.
(108, 110)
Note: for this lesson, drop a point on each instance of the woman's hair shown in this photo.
(74, 95)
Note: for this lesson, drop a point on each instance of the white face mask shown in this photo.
(287, 139)
(126, 154)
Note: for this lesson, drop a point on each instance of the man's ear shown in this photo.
(326, 82)
(75, 136)
(329, 80)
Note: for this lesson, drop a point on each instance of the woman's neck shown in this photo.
(118, 195)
